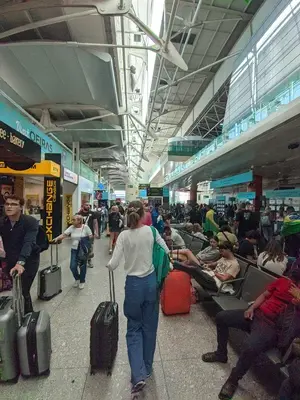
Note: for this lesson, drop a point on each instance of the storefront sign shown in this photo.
(44, 168)
(232, 180)
(246, 196)
(21, 124)
(70, 176)
(85, 185)
(282, 194)
(143, 186)
(68, 209)
(52, 207)
(18, 144)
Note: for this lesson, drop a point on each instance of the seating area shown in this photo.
(249, 284)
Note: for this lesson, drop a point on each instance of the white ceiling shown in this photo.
(210, 42)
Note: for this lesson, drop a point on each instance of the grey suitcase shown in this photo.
(49, 279)
(34, 344)
(11, 309)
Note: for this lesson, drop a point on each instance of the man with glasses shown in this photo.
(19, 234)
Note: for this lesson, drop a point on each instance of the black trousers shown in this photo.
(262, 337)
(292, 245)
(31, 269)
(204, 280)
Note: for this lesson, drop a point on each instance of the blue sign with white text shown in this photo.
(246, 196)
(232, 180)
(282, 194)
(166, 191)
(20, 123)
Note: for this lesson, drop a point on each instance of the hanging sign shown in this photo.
(52, 207)
(68, 210)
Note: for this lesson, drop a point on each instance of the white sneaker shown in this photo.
(81, 286)
(76, 284)
(110, 251)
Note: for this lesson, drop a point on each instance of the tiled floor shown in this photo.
(179, 373)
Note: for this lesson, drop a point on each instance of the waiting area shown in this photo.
(179, 372)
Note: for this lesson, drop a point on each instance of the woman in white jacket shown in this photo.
(141, 305)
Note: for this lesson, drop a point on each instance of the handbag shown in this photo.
(83, 248)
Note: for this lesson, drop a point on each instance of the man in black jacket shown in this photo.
(19, 234)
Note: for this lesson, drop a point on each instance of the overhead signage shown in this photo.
(18, 144)
(44, 168)
(282, 194)
(232, 180)
(155, 192)
(68, 210)
(101, 186)
(70, 176)
(22, 125)
(143, 186)
(52, 207)
(104, 195)
(85, 185)
(246, 195)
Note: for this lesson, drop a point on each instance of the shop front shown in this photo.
(70, 184)
(83, 193)
(30, 184)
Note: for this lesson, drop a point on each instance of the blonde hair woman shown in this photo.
(77, 231)
(135, 246)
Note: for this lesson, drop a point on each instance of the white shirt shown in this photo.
(77, 233)
(176, 238)
(135, 246)
(278, 267)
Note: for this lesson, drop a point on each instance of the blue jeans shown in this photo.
(141, 311)
(78, 273)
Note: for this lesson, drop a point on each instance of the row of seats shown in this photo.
(249, 284)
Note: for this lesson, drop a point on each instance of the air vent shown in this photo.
(181, 38)
(137, 38)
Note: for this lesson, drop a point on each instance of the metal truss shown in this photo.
(209, 123)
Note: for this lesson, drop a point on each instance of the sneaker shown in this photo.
(81, 286)
(138, 387)
(213, 357)
(76, 284)
(110, 251)
(90, 265)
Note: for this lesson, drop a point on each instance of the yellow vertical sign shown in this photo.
(68, 209)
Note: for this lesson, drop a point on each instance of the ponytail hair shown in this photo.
(135, 214)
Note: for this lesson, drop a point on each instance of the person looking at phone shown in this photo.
(262, 320)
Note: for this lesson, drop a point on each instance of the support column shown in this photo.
(193, 194)
(76, 157)
(257, 183)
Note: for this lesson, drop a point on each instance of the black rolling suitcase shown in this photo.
(49, 279)
(105, 333)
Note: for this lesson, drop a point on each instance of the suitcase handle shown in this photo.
(18, 304)
(51, 253)
(112, 292)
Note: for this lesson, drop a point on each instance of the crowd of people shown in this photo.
(272, 320)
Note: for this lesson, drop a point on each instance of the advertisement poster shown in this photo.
(68, 210)
(52, 207)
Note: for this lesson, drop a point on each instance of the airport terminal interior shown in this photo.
(179, 115)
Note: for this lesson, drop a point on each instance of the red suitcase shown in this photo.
(176, 293)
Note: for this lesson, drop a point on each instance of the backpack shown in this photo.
(161, 261)
(42, 240)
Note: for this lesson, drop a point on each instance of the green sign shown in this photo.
(86, 172)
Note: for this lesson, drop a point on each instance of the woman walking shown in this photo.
(141, 292)
(115, 223)
(81, 235)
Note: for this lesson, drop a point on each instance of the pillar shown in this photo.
(257, 184)
(193, 194)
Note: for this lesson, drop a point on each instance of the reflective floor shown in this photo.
(179, 373)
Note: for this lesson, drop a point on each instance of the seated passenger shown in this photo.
(189, 228)
(173, 238)
(210, 254)
(247, 247)
(198, 232)
(212, 275)
(262, 320)
(226, 235)
(273, 258)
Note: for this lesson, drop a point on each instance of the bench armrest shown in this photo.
(226, 282)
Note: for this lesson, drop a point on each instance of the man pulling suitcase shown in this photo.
(19, 234)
